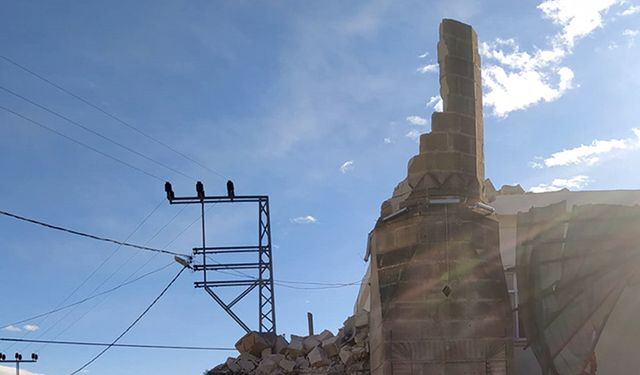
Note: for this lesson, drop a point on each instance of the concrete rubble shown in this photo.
(346, 352)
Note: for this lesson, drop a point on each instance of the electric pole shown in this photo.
(18, 359)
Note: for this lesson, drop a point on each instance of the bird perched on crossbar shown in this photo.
(230, 189)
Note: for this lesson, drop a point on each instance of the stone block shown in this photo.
(458, 85)
(452, 46)
(346, 356)
(266, 352)
(324, 335)
(465, 144)
(456, 66)
(309, 343)
(254, 343)
(295, 348)
(274, 357)
(318, 358)
(247, 365)
(331, 345)
(287, 365)
(280, 345)
(433, 142)
(232, 364)
(396, 256)
(266, 367)
(302, 362)
(457, 29)
(460, 104)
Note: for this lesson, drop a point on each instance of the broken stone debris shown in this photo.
(347, 352)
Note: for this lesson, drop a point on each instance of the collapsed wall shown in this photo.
(346, 353)
(439, 301)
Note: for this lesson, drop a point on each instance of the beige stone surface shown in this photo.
(318, 357)
(439, 301)
(287, 365)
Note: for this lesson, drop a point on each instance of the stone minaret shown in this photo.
(439, 301)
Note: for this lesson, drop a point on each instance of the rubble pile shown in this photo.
(347, 352)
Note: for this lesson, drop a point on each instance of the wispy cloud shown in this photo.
(631, 10)
(6, 370)
(588, 154)
(424, 55)
(429, 68)
(631, 36)
(388, 140)
(516, 79)
(417, 120)
(304, 220)
(11, 328)
(413, 134)
(572, 183)
(31, 327)
(435, 102)
(347, 166)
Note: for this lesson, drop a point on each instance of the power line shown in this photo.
(316, 287)
(75, 321)
(92, 236)
(285, 283)
(110, 255)
(132, 324)
(81, 143)
(57, 309)
(98, 134)
(44, 332)
(140, 346)
(114, 117)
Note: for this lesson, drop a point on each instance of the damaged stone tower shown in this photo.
(439, 300)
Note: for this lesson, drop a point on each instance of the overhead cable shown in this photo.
(92, 236)
(37, 123)
(96, 133)
(140, 346)
(79, 302)
(132, 324)
(109, 114)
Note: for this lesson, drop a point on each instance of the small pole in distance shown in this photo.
(310, 322)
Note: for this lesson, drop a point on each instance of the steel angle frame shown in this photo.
(263, 263)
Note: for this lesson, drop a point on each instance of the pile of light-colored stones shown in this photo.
(347, 352)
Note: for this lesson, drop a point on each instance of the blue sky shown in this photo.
(316, 104)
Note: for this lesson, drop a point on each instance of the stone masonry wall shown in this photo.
(439, 300)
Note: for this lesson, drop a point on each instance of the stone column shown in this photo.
(439, 300)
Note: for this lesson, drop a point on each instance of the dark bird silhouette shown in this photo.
(230, 189)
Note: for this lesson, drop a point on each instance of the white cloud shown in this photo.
(515, 79)
(424, 55)
(429, 68)
(417, 120)
(11, 328)
(304, 220)
(631, 35)
(576, 183)
(6, 370)
(387, 140)
(578, 18)
(347, 166)
(31, 327)
(591, 153)
(413, 134)
(436, 103)
(631, 10)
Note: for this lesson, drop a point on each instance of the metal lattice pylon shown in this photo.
(264, 264)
